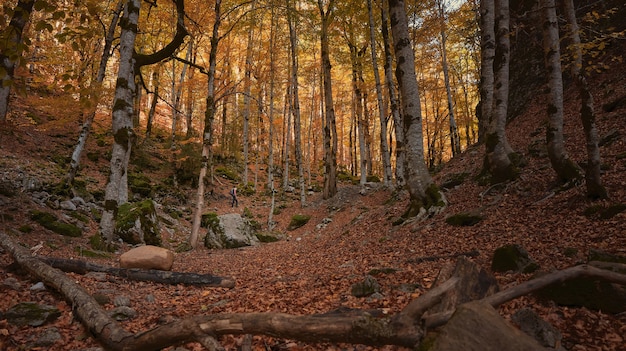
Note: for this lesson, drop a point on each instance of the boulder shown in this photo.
(514, 258)
(476, 326)
(138, 223)
(148, 257)
(228, 231)
(31, 313)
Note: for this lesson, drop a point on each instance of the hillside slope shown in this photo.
(312, 270)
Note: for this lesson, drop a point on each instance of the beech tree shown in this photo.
(566, 169)
(330, 128)
(498, 163)
(593, 181)
(425, 197)
(12, 47)
(116, 191)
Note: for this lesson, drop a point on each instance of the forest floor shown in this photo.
(312, 270)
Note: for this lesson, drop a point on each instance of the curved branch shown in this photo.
(170, 48)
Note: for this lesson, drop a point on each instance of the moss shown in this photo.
(373, 179)
(79, 216)
(183, 247)
(6, 217)
(81, 251)
(93, 156)
(129, 213)
(140, 184)
(297, 221)
(227, 173)
(455, 180)
(464, 219)
(267, 237)
(50, 221)
(247, 213)
(25, 228)
(209, 220)
(512, 258)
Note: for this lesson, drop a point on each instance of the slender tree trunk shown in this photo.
(154, 101)
(384, 146)
(425, 197)
(455, 142)
(393, 101)
(566, 169)
(272, 74)
(12, 51)
(190, 98)
(497, 161)
(487, 55)
(593, 181)
(86, 127)
(296, 102)
(116, 192)
(207, 135)
(246, 104)
(330, 128)
(287, 135)
(358, 109)
(177, 92)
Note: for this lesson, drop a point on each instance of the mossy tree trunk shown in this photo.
(593, 181)
(566, 169)
(116, 192)
(497, 149)
(11, 51)
(426, 198)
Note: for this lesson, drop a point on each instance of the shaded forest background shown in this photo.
(312, 268)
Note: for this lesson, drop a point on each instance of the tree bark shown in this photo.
(497, 149)
(12, 51)
(86, 127)
(593, 181)
(207, 135)
(153, 102)
(566, 169)
(455, 140)
(384, 145)
(330, 128)
(425, 197)
(151, 275)
(116, 192)
(297, 129)
(394, 106)
(487, 54)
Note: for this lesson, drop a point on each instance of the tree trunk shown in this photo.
(355, 56)
(272, 75)
(296, 101)
(86, 127)
(150, 275)
(330, 128)
(487, 55)
(393, 101)
(425, 197)
(455, 142)
(207, 135)
(246, 104)
(12, 51)
(497, 160)
(593, 181)
(384, 146)
(116, 192)
(566, 169)
(153, 102)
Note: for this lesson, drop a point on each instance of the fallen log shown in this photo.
(152, 275)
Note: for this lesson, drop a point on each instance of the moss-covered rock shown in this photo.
(366, 287)
(454, 180)
(297, 221)
(31, 313)
(268, 237)
(138, 223)
(464, 219)
(51, 222)
(512, 257)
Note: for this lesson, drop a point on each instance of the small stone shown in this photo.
(122, 313)
(12, 283)
(121, 300)
(48, 337)
(38, 287)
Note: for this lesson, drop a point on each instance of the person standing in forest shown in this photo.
(233, 193)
